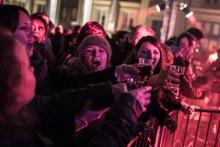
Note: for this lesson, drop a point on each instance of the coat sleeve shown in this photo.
(71, 102)
(66, 80)
(187, 89)
(116, 129)
(54, 116)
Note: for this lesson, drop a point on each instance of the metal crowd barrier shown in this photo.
(199, 129)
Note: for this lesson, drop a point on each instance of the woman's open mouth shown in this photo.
(96, 63)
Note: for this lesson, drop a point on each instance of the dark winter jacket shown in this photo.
(54, 116)
(13, 134)
(43, 85)
(63, 80)
(116, 129)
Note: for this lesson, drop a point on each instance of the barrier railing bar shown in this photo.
(141, 142)
(159, 137)
(197, 128)
(206, 110)
(216, 139)
(141, 139)
(176, 119)
(138, 142)
(207, 132)
(144, 140)
(187, 123)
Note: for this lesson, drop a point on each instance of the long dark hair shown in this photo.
(9, 16)
(154, 41)
(187, 35)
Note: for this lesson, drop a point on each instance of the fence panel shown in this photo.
(200, 129)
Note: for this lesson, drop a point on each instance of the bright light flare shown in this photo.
(189, 14)
(212, 57)
(183, 6)
(157, 8)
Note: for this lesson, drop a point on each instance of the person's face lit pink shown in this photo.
(149, 51)
(24, 33)
(25, 90)
(39, 30)
(95, 58)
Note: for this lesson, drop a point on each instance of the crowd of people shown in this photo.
(73, 89)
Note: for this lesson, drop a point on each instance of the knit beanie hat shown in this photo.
(95, 40)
